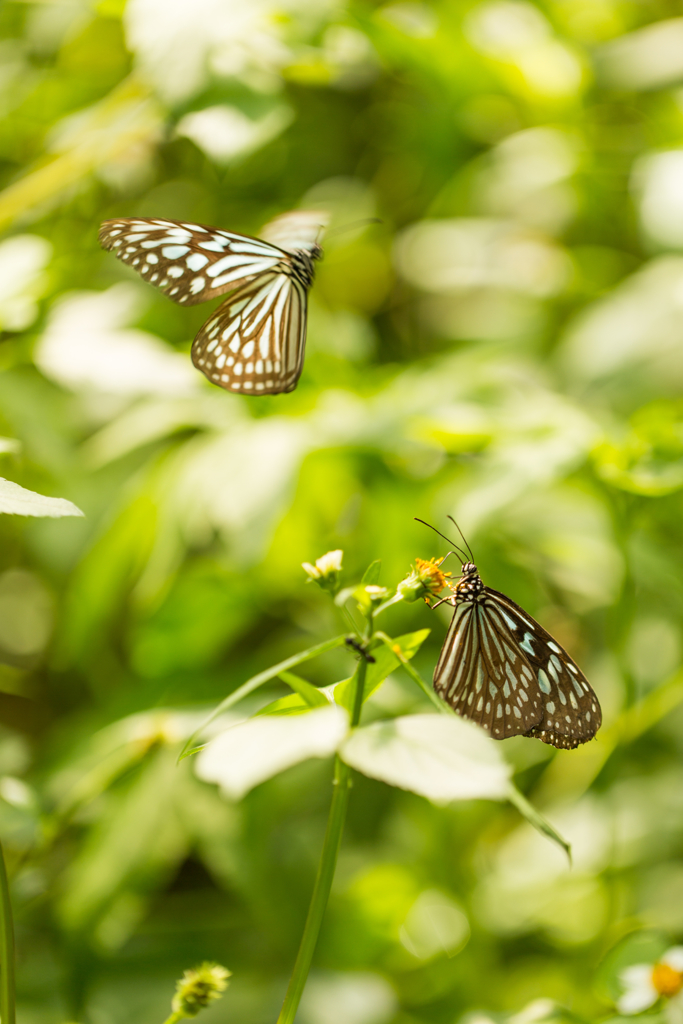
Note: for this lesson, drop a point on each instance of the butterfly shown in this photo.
(254, 342)
(503, 670)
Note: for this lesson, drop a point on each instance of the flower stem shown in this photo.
(388, 603)
(174, 1018)
(326, 868)
(415, 676)
(7, 992)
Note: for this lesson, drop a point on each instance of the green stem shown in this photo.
(7, 992)
(174, 1018)
(388, 603)
(536, 819)
(326, 868)
(414, 675)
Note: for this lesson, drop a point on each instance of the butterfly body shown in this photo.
(502, 669)
(255, 341)
(302, 265)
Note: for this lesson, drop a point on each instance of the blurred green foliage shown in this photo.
(505, 347)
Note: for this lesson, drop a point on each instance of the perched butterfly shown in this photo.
(254, 342)
(500, 668)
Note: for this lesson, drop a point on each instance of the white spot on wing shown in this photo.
(526, 643)
(543, 681)
(196, 261)
(215, 247)
(174, 252)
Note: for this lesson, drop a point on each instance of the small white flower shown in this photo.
(639, 991)
(673, 958)
(326, 570)
(645, 983)
(331, 562)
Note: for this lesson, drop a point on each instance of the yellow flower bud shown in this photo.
(199, 987)
(425, 580)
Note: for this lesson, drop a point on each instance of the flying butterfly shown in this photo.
(254, 341)
(503, 670)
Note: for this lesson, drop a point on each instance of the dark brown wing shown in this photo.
(484, 675)
(571, 710)
(190, 263)
(254, 342)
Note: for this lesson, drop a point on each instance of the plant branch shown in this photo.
(7, 988)
(535, 818)
(388, 603)
(326, 868)
(413, 673)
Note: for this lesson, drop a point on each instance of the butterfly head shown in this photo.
(469, 586)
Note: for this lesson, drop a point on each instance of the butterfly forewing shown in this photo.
(501, 669)
(190, 263)
(254, 342)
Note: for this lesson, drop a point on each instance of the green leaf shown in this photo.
(138, 836)
(441, 758)
(256, 681)
(17, 501)
(293, 704)
(371, 575)
(249, 753)
(386, 660)
(306, 697)
(641, 947)
(311, 694)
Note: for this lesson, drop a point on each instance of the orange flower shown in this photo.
(426, 580)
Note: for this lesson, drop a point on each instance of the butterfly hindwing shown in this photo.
(254, 342)
(190, 263)
(483, 674)
(571, 711)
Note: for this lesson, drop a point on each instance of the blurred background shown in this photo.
(505, 346)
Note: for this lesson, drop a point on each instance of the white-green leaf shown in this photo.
(247, 754)
(442, 758)
(17, 501)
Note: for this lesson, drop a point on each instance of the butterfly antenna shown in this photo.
(457, 550)
(353, 224)
(463, 537)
